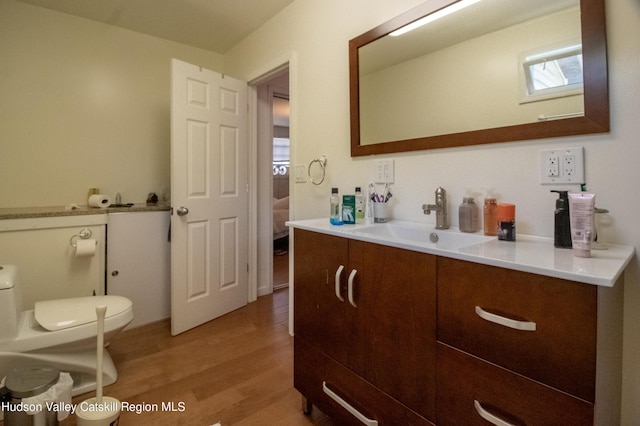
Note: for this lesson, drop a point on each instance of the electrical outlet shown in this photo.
(552, 166)
(568, 165)
(384, 171)
(565, 165)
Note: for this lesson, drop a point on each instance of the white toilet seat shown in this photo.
(60, 333)
(53, 315)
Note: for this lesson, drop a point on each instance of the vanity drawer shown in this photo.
(541, 327)
(470, 388)
(316, 377)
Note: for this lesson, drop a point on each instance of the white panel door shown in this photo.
(209, 195)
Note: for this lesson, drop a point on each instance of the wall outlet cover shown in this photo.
(562, 166)
(383, 171)
(300, 173)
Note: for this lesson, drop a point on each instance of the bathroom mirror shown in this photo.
(492, 71)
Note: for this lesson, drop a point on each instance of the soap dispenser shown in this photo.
(562, 230)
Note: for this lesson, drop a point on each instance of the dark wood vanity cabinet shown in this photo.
(470, 388)
(365, 324)
(517, 346)
(435, 340)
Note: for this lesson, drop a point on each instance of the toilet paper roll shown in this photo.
(99, 200)
(86, 248)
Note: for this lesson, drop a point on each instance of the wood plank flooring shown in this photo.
(280, 263)
(236, 370)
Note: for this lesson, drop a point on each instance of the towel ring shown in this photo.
(83, 234)
(322, 161)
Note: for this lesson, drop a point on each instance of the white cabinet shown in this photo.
(41, 249)
(138, 263)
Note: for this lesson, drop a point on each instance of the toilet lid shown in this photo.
(66, 313)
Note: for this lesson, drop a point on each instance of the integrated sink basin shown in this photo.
(422, 234)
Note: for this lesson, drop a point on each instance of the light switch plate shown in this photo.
(300, 173)
(562, 165)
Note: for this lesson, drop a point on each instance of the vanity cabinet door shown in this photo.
(343, 395)
(383, 331)
(541, 327)
(320, 317)
(474, 392)
(392, 343)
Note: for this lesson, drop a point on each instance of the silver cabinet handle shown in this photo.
(344, 404)
(338, 273)
(352, 275)
(182, 211)
(488, 416)
(507, 322)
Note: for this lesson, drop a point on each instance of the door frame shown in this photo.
(263, 74)
(266, 92)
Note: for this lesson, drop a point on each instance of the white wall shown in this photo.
(316, 34)
(83, 104)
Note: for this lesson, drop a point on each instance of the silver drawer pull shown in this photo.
(344, 404)
(352, 276)
(338, 273)
(507, 322)
(488, 416)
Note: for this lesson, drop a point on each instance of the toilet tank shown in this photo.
(9, 301)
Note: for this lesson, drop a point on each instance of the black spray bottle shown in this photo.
(562, 230)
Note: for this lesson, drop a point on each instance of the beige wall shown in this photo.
(83, 104)
(316, 35)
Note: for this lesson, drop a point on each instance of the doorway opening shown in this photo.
(281, 161)
(273, 160)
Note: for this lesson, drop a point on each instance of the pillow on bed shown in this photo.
(281, 204)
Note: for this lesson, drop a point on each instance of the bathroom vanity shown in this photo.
(39, 240)
(391, 328)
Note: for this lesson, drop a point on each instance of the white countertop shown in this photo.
(528, 253)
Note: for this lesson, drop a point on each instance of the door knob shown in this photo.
(182, 211)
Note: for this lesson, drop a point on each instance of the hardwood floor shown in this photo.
(236, 370)
(281, 263)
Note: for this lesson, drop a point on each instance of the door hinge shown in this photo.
(247, 267)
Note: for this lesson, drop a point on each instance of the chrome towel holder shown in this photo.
(322, 161)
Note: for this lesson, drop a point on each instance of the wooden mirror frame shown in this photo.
(596, 91)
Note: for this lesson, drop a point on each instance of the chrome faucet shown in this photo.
(440, 207)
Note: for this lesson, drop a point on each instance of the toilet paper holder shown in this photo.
(83, 234)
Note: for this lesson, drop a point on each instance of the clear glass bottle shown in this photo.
(334, 214)
(490, 217)
(359, 205)
(468, 215)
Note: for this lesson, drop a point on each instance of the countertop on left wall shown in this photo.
(56, 211)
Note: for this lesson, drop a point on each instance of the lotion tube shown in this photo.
(581, 212)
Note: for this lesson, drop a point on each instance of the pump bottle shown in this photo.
(562, 223)
(468, 215)
(490, 218)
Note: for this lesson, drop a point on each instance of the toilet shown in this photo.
(59, 333)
